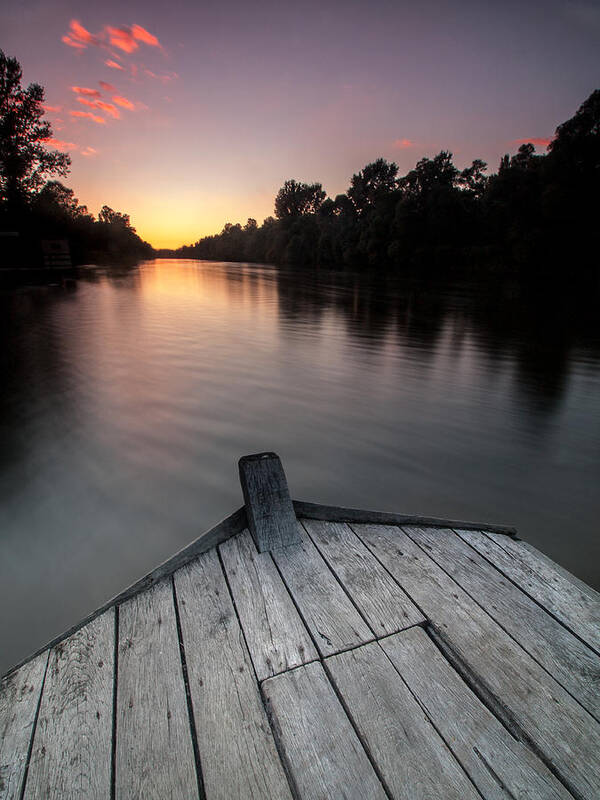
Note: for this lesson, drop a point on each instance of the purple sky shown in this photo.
(238, 97)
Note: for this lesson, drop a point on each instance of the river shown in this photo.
(127, 398)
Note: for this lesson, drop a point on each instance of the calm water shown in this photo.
(127, 399)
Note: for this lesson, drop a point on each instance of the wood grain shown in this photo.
(307, 510)
(237, 751)
(563, 655)
(271, 517)
(332, 620)
(382, 602)
(412, 759)
(231, 525)
(570, 600)
(323, 753)
(561, 729)
(72, 746)
(154, 752)
(19, 698)
(274, 632)
(501, 767)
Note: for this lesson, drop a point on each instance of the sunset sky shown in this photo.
(187, 115)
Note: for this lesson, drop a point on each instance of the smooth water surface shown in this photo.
(127, 399)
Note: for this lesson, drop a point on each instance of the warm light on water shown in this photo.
(127, 400)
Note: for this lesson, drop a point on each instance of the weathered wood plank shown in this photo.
(231, 525)
(333, 621)
(570, 600)
(501, 767)
(73, 739)
(563, 655)
(323, 753)
(19, 698)
(307, 510)
(154, 755)
(237, 751)
(385, 606)
(275, 634)
(413, 761)
(561, 729)
(269, 508)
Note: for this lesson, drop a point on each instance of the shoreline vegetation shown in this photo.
(534, 218)
(537, 215)
(35, 207)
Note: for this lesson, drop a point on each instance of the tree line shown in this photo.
(34, 204)
(536, 211)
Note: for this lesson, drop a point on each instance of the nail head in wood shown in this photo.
(269, 508)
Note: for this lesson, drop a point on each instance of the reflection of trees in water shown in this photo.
(533, 327)
(530, 331)
(32, 368)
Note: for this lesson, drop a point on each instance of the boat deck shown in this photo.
(363, 661)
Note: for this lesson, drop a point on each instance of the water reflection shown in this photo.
(128, 397)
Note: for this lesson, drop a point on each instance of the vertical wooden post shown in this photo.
(269, 508)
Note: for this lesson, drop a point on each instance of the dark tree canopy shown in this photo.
(473, 180)
(373, 182)
(25, 161)
(430, 174)
(55, 198)
(536, 211)
(296, 199)
(581, 129)
(107, 216)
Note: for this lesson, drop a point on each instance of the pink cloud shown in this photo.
(538, 141)
(52, 109)
(86, 102)
(125, 38)
(403, 144)
(143, 36)
(78, 37)
(88, 115)
(109, 108)
(108, 87)
(84, 90)
(73, 43)
(113, 64)
(164, 78)
(123, 102)
(60, 144)
(122, 38)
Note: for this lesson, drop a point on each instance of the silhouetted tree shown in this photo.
(430, 174)
(295, 199)
(55, 198)
(37, 208)
(536, 210)
(25, 161)
(373, 182)
(579, 137)
(107, 216)
(473, 180)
